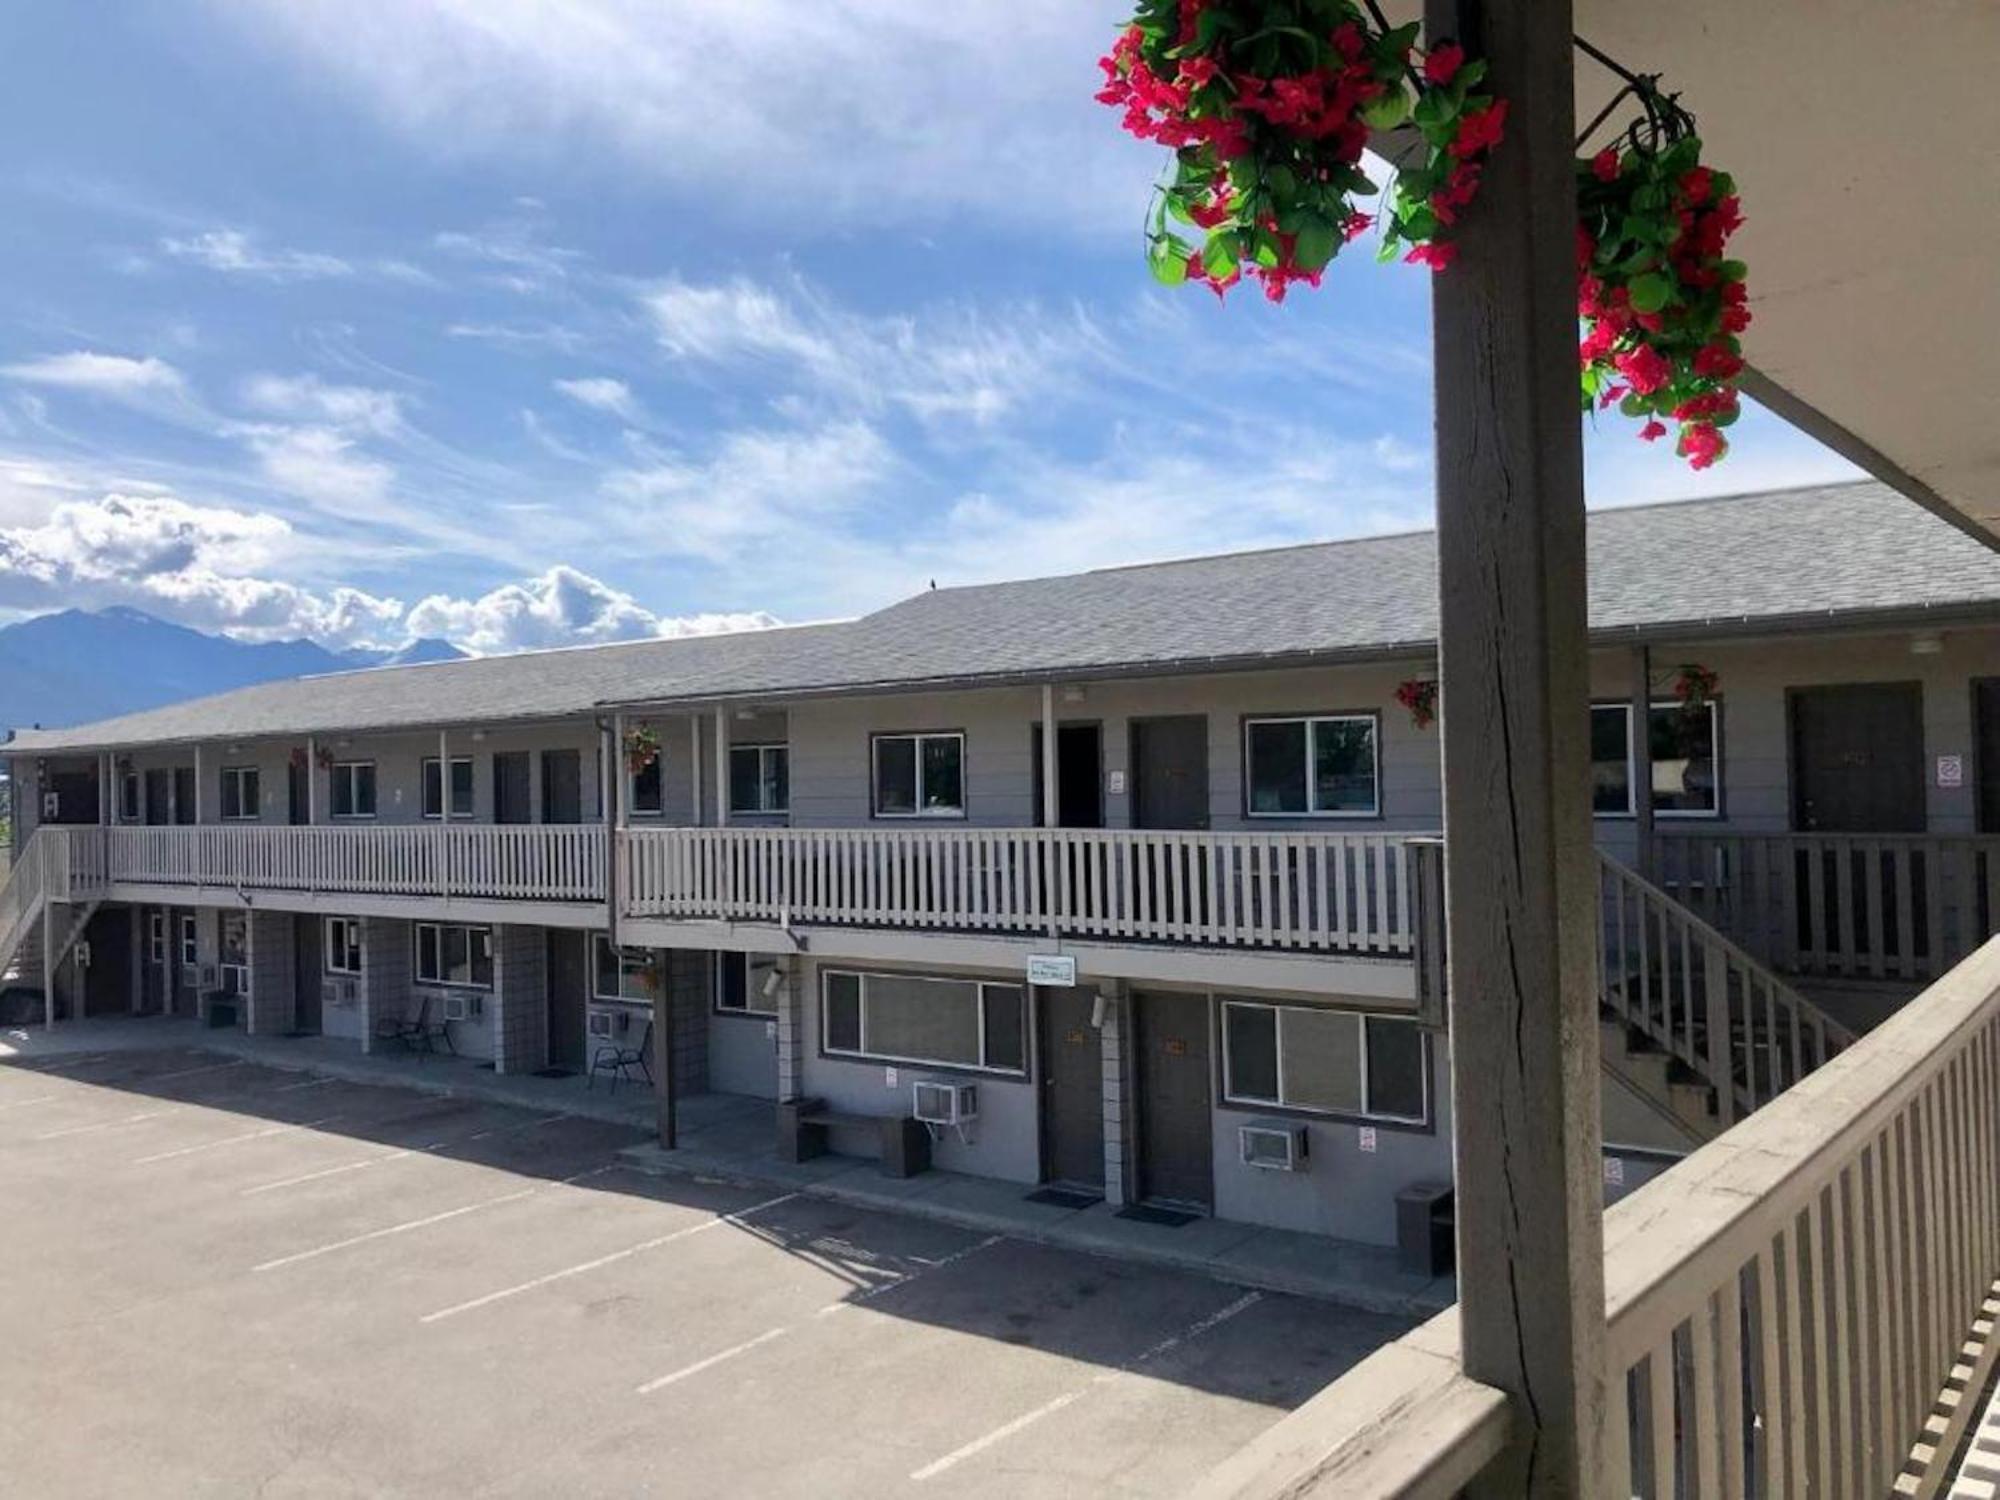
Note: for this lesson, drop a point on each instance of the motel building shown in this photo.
(1126, 882)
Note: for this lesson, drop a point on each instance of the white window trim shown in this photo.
(237, 774)
(597, 996)
(868, 1055)
(1660, 814)
(1362, 1018)
(440, 928)
(133, 810)
(1312, 721)
(918, 811)
(331, 947)
(156, 937)
(444, 790)
(752, 1001)
(766, 747)
(190, 941)
(632, 807)
(348, 768)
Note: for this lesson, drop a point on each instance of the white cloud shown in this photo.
(602, 393)
(308, 397)
(118, 376)
(321, 465)
(871, 110)
(234, 252)
(563, 607)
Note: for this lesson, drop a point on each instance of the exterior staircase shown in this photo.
(38, 885)
(1690, 1022)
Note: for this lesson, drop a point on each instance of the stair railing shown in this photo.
(21, 895)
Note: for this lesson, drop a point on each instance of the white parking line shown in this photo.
(56, 1135)
(1000, 1434)
(310, 1083)
(714, 1359)
(603, 1260)
(38, 1099)
(234, 1062)
(346, 1166)
(861, 1298)
(423, 1223)
(231, 1140)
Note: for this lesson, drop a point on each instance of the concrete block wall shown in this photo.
(386, 964)
(791, 1030)
(273, 974)
(1118, 1098)
(521, 995)
(685, 971)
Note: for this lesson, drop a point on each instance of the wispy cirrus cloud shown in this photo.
(236, 252)
(602, 393)
(121, 376)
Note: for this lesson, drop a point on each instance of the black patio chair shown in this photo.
(618, 1061)
(404, 1027)
(426, 1033)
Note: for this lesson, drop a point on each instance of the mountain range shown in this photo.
(79, 665)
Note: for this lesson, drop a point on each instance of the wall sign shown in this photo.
(1614, 1171)
(1114, 783)
(1056, 969)
(1951, 770)
(1365, 1139)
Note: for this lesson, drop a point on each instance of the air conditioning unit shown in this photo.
(460, 1007)
(604, 1021)
(336, 992)
(1273, 1146)
(190, 977)
(936, 1103)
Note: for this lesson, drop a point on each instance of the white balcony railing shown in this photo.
(1318, 892)
(531, 862)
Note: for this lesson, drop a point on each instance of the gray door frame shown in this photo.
(1070, 1153)
(1148, 1049)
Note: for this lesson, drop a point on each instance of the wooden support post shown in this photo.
(1051, 807)
(48, 961)
(312, 780)
(197, 785)
(1519, 866)
(1639, 745)
(666, 1097)
(694, 764)
(722, 768)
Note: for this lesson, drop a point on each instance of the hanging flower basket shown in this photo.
(642, 748)
(298, 758)
(1267, 120)
(1661, 303)
(1419, 695)
(325, 758)
(1694, 688)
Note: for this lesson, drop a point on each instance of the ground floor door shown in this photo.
(308, 965)
(511, 797)
(569, 997)
(108, 978)
(562, 786)
(156, 978)
(1072, 1072)
(1176, 1153)
(1858, 758)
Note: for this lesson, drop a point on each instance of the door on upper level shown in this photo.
(562, 786)
(511, 800)
(298, 792)
(70, 797)
(1079, 775)
(1858, 758)
(159, 796)
(1170, 772)
(184, 794)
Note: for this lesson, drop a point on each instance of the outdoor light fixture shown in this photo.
(1927, 644)
(771, 984)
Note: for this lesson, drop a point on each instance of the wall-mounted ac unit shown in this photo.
(337, 992)
(1273, 1146)
(190, 976)
(935, 1103)
(605, 1021)
(460, 1007)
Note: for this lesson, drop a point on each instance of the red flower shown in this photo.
(1613, 394)
(1702, 443)
(1208, 215)
(1443, 63)
(1480, 129)
(1605, 164)
(1586, 247)
(1645, 367)
(1717, 362)
(1653, 431)
(1436, 256)
(1735, 319)
(1356, 226)
(1348, 41)
(1696, 184)
(1196, 71)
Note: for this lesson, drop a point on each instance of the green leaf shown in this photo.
(1219, 257)
(1316, 245)
(1732, 270)
(1168, 258)
(1651, 292)
(1265, 249)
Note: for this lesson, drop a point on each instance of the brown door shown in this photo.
(1986, 751)
(510, 787)
(159, 796)
(308, 968)
(1176, 1151)
(569, 986)
(562, 786)
(1072, 1064)
(1170, 772)
(75, 795)
(298, 794)
(1858, 758)
(184, 794)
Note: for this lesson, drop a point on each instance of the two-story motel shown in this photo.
(814, 863)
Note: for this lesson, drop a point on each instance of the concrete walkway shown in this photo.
(729, 1137)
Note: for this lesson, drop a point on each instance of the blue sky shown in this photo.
(358, 319)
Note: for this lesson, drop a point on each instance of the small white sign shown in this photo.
(1366, 1139)
(771, 1031)
(1951, 770)
(1614, 1171)
(1114, 783)
(1056, 969)
(888, 1078)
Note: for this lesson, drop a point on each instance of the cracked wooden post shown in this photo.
(1519, 865)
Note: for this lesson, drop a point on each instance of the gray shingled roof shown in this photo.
(1785, 559)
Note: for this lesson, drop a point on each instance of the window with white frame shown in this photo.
(1335, 1062)
(760, 779)
(646, 789)
(451, 954)
(233, 953)
(240, 797)
(919, 775)
(1312, 767)
(156, 937)
(629, 974)
(128, 796)
(353, 788)
(190, 944)
(911, 1018)
(1682, 747)
(343, 945)
(461, 787)
(743, 984)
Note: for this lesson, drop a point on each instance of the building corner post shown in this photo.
(1514, 669)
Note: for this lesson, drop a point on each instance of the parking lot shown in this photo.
(222, 1278)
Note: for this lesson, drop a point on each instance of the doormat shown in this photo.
(553, 1073)
(1149, 1213)
(487, 1068)
(1062, 1197)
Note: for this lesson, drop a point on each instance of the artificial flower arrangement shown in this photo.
(1694, 687)
(642, 748)
(1267, 110)
(1419, 695)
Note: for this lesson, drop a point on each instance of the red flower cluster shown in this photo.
(1660, 304)
(1419, 695)
(1267, 124)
